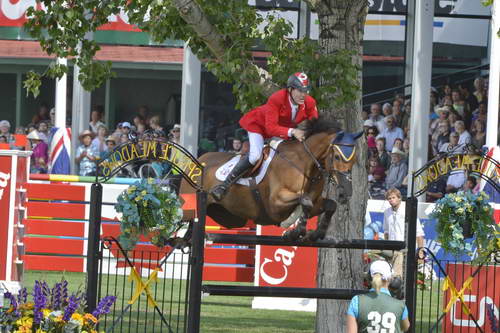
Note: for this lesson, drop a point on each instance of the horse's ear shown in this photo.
(357, 135)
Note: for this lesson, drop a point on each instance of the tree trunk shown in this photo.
(341, 28)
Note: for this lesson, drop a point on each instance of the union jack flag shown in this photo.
(60, 151)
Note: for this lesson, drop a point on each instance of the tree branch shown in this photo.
(194, 16)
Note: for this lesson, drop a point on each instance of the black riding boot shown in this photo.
(219, 191)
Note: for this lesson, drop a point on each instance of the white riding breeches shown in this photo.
(256, 145)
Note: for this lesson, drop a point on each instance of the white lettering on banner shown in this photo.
(16, 10)
(280, 255)
(482, 305)
(4, 180)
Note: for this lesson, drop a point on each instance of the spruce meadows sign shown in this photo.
(168, 152)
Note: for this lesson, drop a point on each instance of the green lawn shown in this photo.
(218, 313)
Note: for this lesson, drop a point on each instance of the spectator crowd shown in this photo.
(457, 117)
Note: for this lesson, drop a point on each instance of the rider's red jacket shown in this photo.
(275, 117)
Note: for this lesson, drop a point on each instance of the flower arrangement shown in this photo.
(148, 209)
(51, 311)
(458, 213)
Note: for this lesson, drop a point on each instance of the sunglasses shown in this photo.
(371, 132)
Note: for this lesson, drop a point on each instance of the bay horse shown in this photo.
(293, 185)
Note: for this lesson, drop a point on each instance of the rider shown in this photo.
(279, 117)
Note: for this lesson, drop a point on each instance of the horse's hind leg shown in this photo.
(329, 207)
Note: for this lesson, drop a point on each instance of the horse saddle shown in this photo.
(258, 171)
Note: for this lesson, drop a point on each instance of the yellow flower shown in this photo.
(90, 318)
(151, 181)
(145, 203)
(78, 317)
(458, 199)
(460, 210)
(138, 198)
(486, 208)
(46, 313)
(144, 192)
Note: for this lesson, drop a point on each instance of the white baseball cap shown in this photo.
(381, 267)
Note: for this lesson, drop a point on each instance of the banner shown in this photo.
(482, 299)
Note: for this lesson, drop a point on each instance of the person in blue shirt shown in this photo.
(377, 311)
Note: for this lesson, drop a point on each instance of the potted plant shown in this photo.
(148, 209)
(464, 215)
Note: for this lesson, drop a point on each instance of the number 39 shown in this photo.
(387, 321)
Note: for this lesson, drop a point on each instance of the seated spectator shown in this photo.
(397, 171)
(436, 189)
(52, 115)
(443, 113)
(445, 93)
(376, 117)
(95, 121)
(456, 179)
(376, 172)
(371, 133)
(5, 131)
(175, 134)
(470, 184)
(39, 158)
(154, 123)
(460, 105)
(470, 99)
(391, 133)
(364, 114)
(398, 143)
(139, 120)
(86, 154)
(367, 124)
(406, 146)
(481, 112)
(398, 113)
(3, 139)
(443, 136)
(110, 146)
(478, 133)
(480, 91)
(126, 128)
(123, 139)
(382, 154)
(99, 142)
(43, 131)
(464, 136)
(452, 145)
(387, 109)
(453, 117)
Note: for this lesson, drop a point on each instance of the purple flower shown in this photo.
(104, 306)
(492, 317)
(22, 297)
(73, 303)
(64, 290)
(40, 302)
(56, 297)
(13, 303)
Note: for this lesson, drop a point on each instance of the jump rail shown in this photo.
(362, 244)
(319, 293)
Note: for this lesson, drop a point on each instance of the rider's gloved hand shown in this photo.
(299, 134)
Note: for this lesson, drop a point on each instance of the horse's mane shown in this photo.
(319, 125)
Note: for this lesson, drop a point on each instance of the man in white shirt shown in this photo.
(394, 228)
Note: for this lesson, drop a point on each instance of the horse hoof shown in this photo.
(306, 202)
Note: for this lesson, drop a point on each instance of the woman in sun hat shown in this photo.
(377, 311)
(39, 157)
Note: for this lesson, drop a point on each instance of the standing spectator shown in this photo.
(391, 133)
(382, 154)
(464, 136)
(387, 109)
(371, 134)
(377, 117)
(39, 158)
(139, 120)
(406, 146)
(378, 303)
(394, 228)
(236, 146)
(99, 142)
(95, 121)
(405, 117)
(86, 154)
(398, 113)
(154, 123)
(461, 106)
(481, 112)
(43, 131)
(52, 116)
(452, 144)
(5, 131)
(397, 171)
(453, 117)
(42, 114)
(469, 98)
(443, 113)
(446, 93)
(175, 134)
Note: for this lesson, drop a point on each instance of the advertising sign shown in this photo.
(482, 299)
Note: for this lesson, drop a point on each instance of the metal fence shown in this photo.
(151, 287)
(457, 297)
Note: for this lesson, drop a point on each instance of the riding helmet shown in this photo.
(299, 81)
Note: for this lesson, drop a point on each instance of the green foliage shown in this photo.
(65, 25)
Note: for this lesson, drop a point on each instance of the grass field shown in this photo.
(219, 314)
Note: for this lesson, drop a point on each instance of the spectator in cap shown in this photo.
(110, 146)
(39, 157)
(126, 127)
(397, 171)
(86, 154)
(377, 304)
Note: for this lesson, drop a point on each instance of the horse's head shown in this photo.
(342, 158)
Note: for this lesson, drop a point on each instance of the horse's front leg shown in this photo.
(285, 202)
(328, 207)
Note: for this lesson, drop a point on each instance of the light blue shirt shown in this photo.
(354, 305)
(390, 136)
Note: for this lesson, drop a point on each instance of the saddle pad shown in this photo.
(224, 169)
